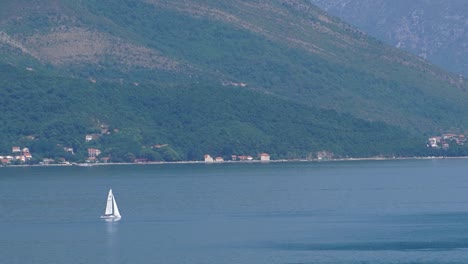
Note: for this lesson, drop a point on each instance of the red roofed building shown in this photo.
(27, 155)
(92, 152)
(265, 157)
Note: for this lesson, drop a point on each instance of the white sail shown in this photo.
(110, 199)
(112, 211)
(116, 209)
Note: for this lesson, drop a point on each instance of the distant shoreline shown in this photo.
(228, 162)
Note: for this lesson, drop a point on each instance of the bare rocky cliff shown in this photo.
(435, 30)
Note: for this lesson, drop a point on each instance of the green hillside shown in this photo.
(318, 61)
(193, 119)
(237, 77)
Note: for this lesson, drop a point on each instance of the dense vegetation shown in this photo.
(348, 99)
(192, 119)
(354, 79)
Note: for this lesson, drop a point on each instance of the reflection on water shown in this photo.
(112, 237)
(112, 228)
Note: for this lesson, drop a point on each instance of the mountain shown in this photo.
(432, 29)
(237, 77)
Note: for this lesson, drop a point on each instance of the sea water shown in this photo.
(396, 211)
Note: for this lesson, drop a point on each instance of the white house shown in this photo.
(15, 149)
(208, 158)
(265, 157)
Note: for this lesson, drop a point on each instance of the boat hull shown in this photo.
(111, 218)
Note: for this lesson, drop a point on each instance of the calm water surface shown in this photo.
(413, 211)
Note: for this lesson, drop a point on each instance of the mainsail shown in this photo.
(109, 207)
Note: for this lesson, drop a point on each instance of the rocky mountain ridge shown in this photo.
(434, 30)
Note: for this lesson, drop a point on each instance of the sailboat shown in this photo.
(112, 211)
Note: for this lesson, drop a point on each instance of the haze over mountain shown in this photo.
(432, 29)
(235, 77)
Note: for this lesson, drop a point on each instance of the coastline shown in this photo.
(230, 162)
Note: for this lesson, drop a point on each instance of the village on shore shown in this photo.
(20, 156)
(443, 141)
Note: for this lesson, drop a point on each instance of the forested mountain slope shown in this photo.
(233, 77)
